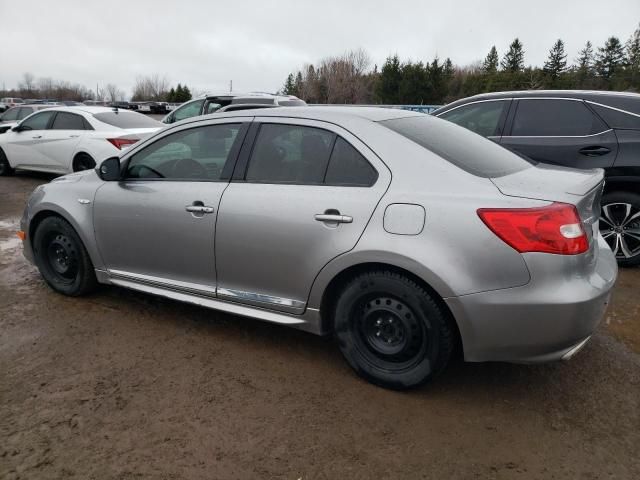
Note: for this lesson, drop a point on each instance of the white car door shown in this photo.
(19, 146)
(60, 140)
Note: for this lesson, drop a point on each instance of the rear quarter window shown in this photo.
(127, 120)
(617, 119)
(464, 149)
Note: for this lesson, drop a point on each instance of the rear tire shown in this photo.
(83, 161)
(620, 226)
(5, 167)
(62, 259)
(392, 331)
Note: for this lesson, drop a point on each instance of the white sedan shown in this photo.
(69, 139)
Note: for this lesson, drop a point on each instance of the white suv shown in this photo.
(7, 103)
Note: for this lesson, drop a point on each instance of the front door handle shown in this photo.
(199, 209)
(37, 136)
(595, 151)
(331, 218)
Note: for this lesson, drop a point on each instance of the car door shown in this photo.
(303, 197)
(58, 142)
(157, 224)
(20, 146)
(484, 117)
(561, 132)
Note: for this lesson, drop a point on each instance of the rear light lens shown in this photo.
(119, 143)
(553, 229)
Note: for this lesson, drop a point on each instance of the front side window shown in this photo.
(68, 121)
(11, 114)
(555, 118)
(187, 111)
(197, 154)
(482, 118)
(24, 112)
(290, 154)
(37, 121)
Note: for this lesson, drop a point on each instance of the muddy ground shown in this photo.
(121, 385)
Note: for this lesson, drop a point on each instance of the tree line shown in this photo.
(349, 79)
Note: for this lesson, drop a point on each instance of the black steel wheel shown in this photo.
(620, 226)
(391, 330)
(61, 257)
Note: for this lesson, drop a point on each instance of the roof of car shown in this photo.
(88, 109)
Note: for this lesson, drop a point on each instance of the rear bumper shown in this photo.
(548, 319)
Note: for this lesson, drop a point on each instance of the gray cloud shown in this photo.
(257, 43)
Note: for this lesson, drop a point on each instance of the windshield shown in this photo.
(124, 119)
(461, 147)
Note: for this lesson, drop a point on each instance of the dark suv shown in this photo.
(579, 129)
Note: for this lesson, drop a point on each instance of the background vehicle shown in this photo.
(68, 139)
(580, 129)
(401, 233)
(212, 103)
(11, 117)
(9, 102)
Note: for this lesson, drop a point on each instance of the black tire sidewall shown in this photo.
(81, 159)
(85, 277)
(623, 197)
(422, 306)
(5, 166)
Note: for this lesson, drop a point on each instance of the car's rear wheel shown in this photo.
(5, 167)
(620, 226)
(83, 161)
(62, 259)
(391, 330)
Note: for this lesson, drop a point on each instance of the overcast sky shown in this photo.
(257, 43)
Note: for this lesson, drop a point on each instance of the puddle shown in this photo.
(10, 243)
(11, 224)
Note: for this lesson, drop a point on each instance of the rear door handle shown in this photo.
(324, 217)
(199, 209)
(37, 136)
(74, 136)
(595, 151)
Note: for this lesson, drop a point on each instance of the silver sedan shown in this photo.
(406, 236)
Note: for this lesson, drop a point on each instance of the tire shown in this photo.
(62, 259)
(83, 161)
(620, 226)
(392, 331)
(5, 167)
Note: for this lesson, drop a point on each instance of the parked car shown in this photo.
(579, 129)
(9, 102)
(212, 103)
(11, 117)
(71, 103)
(405, 235)
(69, 139)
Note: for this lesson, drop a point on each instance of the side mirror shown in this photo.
(17, 129)
(109, 170)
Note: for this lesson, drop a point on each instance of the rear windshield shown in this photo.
(292, 103)
(127, 120)
(465, 149)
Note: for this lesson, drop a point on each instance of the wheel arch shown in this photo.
(77, 155)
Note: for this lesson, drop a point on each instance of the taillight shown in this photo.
(552, 229)
(122, 142)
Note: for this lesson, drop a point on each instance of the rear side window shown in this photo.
(348, 167)
(482, 118)
(461, 147)
(556, 118)
(38, 121)
(290, 154)
(122, 119)
(617, 119)
(68, 121)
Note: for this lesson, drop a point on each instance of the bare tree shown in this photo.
(27, 85)
(151, 87)
(113, 93)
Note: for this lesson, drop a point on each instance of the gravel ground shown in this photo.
(121, 385)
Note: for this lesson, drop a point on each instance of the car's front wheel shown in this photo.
(83, 161)
(391, 330)
(61, 257)
(5, 167)
(620, 226)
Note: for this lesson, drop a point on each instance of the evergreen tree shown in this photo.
(388, 85)
(289, 85)
(585, 60)
(633, 58)
(171, 96)
(610, 58)
(513, 60)
(186, 94)
(557, 61)
(179, 93)
(490, 64)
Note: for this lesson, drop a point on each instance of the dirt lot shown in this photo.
(121, 385)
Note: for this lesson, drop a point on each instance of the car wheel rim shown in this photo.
(389, 333)
(620, 227)
(62, 257)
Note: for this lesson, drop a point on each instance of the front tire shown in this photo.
(392, 331)
(83, 161)
(5, 167)
(62, 259)
(620, 226)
